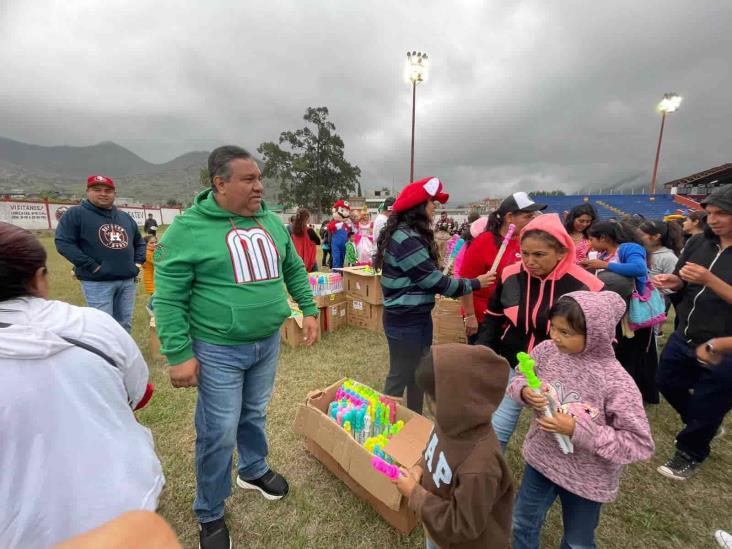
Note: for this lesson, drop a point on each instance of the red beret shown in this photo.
(418, 192)
(99, 180)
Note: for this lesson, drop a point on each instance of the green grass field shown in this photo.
(652, 511)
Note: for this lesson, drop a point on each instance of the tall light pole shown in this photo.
(416, 71)
(670, 103)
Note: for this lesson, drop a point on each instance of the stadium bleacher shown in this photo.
(615, 205)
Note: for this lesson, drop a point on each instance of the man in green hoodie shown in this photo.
(221, 274)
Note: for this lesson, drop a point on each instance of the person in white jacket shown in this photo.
(72, 454)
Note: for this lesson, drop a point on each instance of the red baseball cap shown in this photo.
(424, 190)
(93, 180)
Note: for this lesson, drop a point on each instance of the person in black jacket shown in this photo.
(106, 248)
(151, 225)
(701, 393)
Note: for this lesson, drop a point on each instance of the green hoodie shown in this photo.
(222, 286)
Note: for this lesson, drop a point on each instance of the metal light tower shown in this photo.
(416, 71)
(670, 103)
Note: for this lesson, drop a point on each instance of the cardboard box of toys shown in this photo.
(291, 331)
(447, 322)
(363, 283)
(322, 301)
(334, 316)
(362, 314)
(348, 452)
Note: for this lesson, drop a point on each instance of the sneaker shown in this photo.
(723, 539)
(719, 434)
(149, 310)
(213, 535)
(679, 467)
(271, 485)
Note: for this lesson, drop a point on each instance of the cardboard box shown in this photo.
(291, 331)
(363, 283)
(447, 321)
(322, 301)
(334, 317)
(362, 314)
(351, 463)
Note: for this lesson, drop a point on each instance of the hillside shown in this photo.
(63, 169)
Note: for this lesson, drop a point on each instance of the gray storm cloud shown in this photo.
(530, 95)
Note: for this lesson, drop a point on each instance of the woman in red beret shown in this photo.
(410, 278)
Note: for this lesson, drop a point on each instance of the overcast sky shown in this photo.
(520, 96)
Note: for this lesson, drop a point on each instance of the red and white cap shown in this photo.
(94, 180)
(418, 192)
(342, 204)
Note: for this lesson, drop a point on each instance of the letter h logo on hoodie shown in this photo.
(253, 255)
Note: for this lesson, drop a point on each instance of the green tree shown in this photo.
(548, 193)
(310, 170)
(203, 177)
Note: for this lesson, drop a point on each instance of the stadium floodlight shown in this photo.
(670, 103)
(415, 71)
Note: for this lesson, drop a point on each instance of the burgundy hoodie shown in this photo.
(611, 425)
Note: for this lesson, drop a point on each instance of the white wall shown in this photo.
(41, 215)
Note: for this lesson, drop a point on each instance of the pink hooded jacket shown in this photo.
(611, 425)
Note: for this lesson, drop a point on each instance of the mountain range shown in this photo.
(64, 169)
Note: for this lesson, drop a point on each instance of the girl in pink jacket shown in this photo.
(598, 406)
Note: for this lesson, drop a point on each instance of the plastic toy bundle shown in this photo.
(325, 283)
(368, 416)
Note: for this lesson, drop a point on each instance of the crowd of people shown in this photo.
(585, 298)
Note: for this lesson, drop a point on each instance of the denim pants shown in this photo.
(506, 416)
(407, 345)
(234, 388)
(536, 495)
(701, 395)
(114, 297)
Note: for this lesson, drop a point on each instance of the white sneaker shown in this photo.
(723, 539)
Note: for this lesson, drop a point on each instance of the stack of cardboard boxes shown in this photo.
(447, 321)
(364, 298)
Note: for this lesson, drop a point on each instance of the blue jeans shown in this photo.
(506, 416)
(701, 395)
(536, 495)
(234, 388)
(114, 297)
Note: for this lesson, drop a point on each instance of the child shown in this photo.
(599, 407)
(622, 252)
(463, 491)
(351, 254)
(148, 272)
(517, 316)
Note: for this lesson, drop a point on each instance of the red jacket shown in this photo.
(305, 248)
(479, 258)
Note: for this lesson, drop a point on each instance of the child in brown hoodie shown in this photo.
(463, 490)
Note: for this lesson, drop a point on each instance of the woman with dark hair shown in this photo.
(664, 241)
(694, 223)
(72, 454)
(517, 209)
(622, 253)
(305, 240)
(407, 256)
(577, 222)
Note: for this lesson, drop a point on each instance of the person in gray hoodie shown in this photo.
(72, 454)
(597, 405)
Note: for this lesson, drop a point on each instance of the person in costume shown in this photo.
(339, 228)
(363, 240)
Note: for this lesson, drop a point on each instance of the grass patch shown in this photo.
(321, 512)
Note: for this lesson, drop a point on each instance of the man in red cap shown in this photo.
(106, 248)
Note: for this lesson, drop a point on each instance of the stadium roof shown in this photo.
(712, 177)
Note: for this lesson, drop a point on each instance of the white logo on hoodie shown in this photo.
(253, 255)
